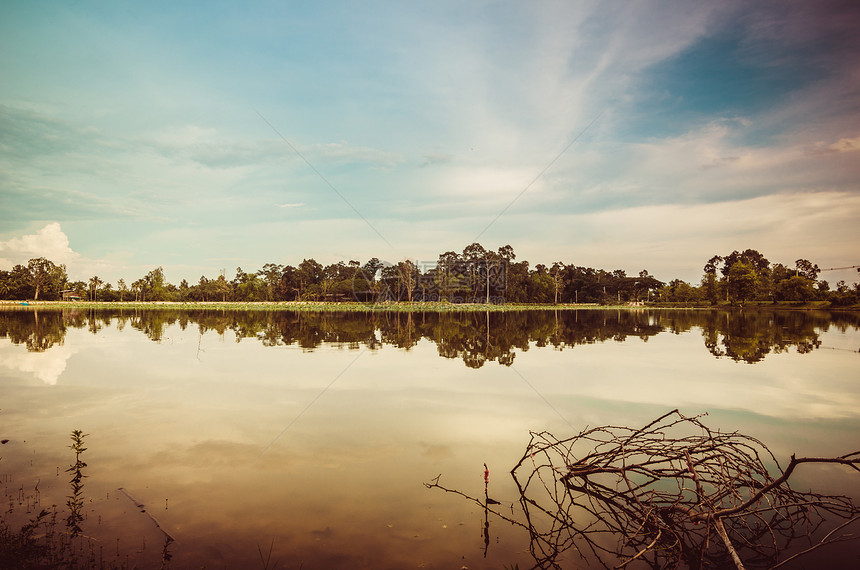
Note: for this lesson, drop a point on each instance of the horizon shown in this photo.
(424, 266)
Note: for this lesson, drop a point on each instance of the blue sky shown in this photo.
(207, 136)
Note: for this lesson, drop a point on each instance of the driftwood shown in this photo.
(671, 494)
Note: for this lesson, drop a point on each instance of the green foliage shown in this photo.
(677, 291)
(742, 282)
(796, 288)
(75, 501)
(749, 276)
(477, 275)
(471, 332)
(40, 279)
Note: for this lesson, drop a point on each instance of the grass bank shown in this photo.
(312, 306)
(308, 306)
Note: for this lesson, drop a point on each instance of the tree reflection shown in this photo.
(37, 330)
(476, 338)
(749, 336)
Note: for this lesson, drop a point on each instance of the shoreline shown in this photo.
(415, 307)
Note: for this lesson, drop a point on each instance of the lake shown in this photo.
(262, 439)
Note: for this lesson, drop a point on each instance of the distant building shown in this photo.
(70, 295)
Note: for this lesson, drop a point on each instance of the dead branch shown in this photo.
(661, 495)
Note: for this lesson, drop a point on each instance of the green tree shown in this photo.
(476, 258)
(5, 286)
(19, 283)
(406, 278)
(371, 268)
(95, 283)
(248, 286)
(138, 287)
(184, 290)
(710, 286)
(271, 274)
(742, 282)
(751, 257)
(506, 252)
(677, 291)
(155, 285)
(447, 274)
(805, 268)
(541, 286)
(204, 289)
(221, 287)
(796, 288)
(557, 274)
(516, 289)
(310, 274)
(45, 276)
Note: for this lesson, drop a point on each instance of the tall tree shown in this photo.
(742, 282)
(475, 256)
(122, 288)
(557, 274)
(796, 288)
(271, 273)
(371, 268)
(138, 288)
(44, 275)
(447, 273)
(95, 283)
(407, 277)
(806, 268)
(506, 252)
(155, 284)
(222, 287)
(310, 276)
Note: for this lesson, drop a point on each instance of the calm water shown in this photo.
(312, 434)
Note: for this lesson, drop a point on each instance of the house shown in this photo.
(70, 295)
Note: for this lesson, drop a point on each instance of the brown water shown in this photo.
(311, 434)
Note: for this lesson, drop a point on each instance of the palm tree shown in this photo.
(94, 286)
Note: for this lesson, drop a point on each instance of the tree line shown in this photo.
(476, 275)
(476, 338)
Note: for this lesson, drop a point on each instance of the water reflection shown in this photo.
(475, 338)
(37, 330)
(178, 412)
(751, 336)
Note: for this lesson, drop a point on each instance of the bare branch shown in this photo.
(662, 493)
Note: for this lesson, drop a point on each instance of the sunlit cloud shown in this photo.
(49, 242)
(846, 145)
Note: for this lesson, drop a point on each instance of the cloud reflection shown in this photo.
(46, 366)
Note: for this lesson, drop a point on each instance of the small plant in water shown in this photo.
(40, 544)
(75, 501)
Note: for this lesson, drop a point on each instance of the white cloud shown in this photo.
(675, 240)
(49, 242)
(52, 243)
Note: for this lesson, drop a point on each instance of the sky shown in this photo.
(206, 136)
